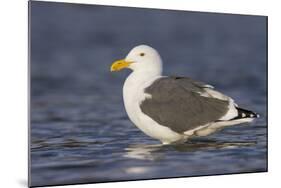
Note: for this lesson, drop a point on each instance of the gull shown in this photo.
(173, 109)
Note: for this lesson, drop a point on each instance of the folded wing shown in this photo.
(183, 104)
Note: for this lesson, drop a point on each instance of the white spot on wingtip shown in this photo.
(252, 115)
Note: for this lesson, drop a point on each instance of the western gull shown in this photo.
(173, 109)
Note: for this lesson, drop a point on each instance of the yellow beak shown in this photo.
(119, 65)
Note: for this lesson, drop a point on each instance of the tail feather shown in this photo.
(243, 113)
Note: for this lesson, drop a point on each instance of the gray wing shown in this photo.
(181, 104)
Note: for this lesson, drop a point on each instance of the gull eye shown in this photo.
(142, 54)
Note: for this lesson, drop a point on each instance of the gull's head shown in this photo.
(140, 58)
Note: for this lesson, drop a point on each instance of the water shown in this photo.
(79, 129)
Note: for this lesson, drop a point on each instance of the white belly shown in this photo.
(153, 129)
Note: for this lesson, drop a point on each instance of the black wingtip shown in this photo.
(243, 113)
(247, 113)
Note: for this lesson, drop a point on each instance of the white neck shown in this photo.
(138, 78)
(133, 86)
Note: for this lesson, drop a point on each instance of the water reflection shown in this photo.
(157, 151)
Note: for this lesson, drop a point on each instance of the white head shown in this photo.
(141, 58)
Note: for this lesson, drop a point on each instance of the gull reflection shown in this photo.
(137, 170)
(157, 151)
(144, 152)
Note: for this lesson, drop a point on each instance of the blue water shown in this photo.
(79, 129)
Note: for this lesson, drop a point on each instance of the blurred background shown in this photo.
(79, 128)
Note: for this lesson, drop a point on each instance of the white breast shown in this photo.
(133, 95)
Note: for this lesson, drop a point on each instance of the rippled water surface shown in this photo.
(79, 130)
